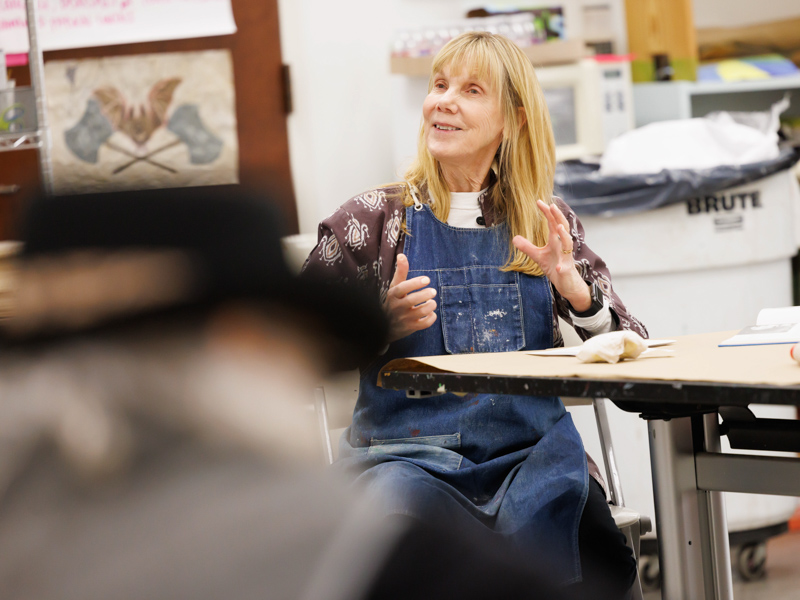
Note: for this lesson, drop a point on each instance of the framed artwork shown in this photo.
(146, 121)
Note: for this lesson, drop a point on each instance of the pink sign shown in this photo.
(82, 23)
(16, 60)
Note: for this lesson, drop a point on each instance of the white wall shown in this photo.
(734, 13)
(336, 51)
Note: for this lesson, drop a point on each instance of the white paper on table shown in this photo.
(773, 326)
(573, 350)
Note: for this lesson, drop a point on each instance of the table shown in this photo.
(682, 396)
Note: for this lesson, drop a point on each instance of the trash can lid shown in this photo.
(587, 192)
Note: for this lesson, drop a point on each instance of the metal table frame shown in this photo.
(689, 470)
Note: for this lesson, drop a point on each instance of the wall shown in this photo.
(734, 13)
(336, 52)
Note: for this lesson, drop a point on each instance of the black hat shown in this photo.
(98, 260)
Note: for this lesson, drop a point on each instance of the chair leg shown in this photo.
(632, 535)
(607, 449)
(321, 407)
(631, 530)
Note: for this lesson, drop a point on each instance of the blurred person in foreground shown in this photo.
(155, 433)
(472, 253)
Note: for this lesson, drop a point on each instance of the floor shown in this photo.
(782, 579)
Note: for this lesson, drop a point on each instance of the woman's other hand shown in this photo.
(409, 304)
(555, 258)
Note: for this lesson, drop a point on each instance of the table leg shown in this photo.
(714, 525)
(677, 514)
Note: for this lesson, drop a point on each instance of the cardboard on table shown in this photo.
(695, 358)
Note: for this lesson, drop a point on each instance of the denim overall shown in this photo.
(514, 464)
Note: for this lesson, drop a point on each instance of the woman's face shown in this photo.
(463, 120)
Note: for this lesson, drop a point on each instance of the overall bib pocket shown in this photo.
(481, 310)
(432, 452)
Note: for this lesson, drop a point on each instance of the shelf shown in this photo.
(729, 87)
(25, 141)
(18, 122)
(547, 53)
(23, 119)
(19, 127)
(669, 100)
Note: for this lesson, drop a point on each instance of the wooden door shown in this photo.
(260, 110)
(661, 27)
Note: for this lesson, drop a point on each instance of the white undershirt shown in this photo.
(464, 209)
(600, 322)
(464, 212)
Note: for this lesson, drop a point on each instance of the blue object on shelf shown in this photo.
(747, 68)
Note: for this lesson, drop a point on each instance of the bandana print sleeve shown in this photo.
(358, 244)
(593, 269)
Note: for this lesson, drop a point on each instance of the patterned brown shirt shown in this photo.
(360, 242)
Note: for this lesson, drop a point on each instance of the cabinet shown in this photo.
(23, 122)
(667, 100)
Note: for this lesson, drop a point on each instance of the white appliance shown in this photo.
(590, 102)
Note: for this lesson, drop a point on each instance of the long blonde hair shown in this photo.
(525, 162)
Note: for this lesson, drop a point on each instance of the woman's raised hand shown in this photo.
(555, 258)
(409, 304)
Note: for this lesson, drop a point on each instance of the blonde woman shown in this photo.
(472, 253)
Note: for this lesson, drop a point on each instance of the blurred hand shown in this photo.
(555, 258)
(409, 304)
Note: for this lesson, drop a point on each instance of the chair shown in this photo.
(630, 523)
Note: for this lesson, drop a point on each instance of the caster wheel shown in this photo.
(649, 573)
(751, 561)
